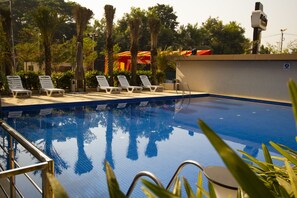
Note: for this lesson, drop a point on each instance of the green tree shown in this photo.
(81, 16)
(22, 17)
(47, 20)
(224, 39)
(99, 29)
(122, 31)
(168, 18)
(134, 25)
(292, 46)
(89, 53)
(27, 52)
(109, 16)
(190, 37)
(3, 52)
(6, 22)
(63, 53)
(154, 26)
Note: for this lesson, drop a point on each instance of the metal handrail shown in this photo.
(182, 86)
(17, 164)
(155, 178)
(138, 176)
(46, 164)
(181, 166)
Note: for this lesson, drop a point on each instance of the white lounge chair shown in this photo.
(103, 85)
(16, 87)
(147, 84)
(125, 85)
(47, 86)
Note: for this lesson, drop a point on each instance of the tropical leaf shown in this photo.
(113, 186)
(177, 187)
(293, 94)
(246, 178)
(286, 154)
(266, 154)
(199, 185)
(189, 191)
(212, 193)
(262, 165)
(157, 190)
(293, 178)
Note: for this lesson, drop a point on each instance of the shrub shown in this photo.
(91, 78)
(30, 79)
(160, 76)
(62, 79)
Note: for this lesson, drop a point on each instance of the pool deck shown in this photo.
(9, 101)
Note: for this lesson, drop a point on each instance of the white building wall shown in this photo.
(250, 76)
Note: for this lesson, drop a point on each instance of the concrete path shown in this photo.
(85, 97)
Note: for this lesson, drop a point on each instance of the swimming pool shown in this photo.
(145, 135)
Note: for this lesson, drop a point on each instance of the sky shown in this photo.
(281, 14)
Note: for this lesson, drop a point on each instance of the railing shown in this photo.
(45, 165)
(183, 86)
(138, 176)
(155, 178)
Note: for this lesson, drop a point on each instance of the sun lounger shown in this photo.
(103, 85)
(47, 86)
(147, 84)
(125, 85)
(16, 87)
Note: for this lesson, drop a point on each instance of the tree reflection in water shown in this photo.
(138, 120)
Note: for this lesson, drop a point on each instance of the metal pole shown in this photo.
(282, 39)
(11, 166)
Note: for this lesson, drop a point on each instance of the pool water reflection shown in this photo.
(155, 136)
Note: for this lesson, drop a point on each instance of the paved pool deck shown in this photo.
(9, 101)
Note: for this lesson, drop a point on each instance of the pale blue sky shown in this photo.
(281, 14)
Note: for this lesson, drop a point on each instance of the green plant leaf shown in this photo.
(246, 178)
(113, 186)
(293, 178)
(177, 187)
(266, 154)
(189, 191)
(262, 165)
(148, 193)
(157, 190)
(212, 193)
(291, 158)
(56, 186)
(199, 185)
(293, 94)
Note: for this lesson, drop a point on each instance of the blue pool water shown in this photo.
(155, 136)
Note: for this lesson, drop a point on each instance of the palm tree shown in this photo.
(81, 16)
(154, 25)
(47, 20)
(109, 16)
(134, 25)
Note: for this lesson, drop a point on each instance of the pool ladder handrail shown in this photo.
(157, 180)
(182, 85)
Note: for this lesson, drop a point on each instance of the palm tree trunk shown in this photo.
(47, 55)
(109, 45)
(79, 71)
(109, 16)
(154, 55)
